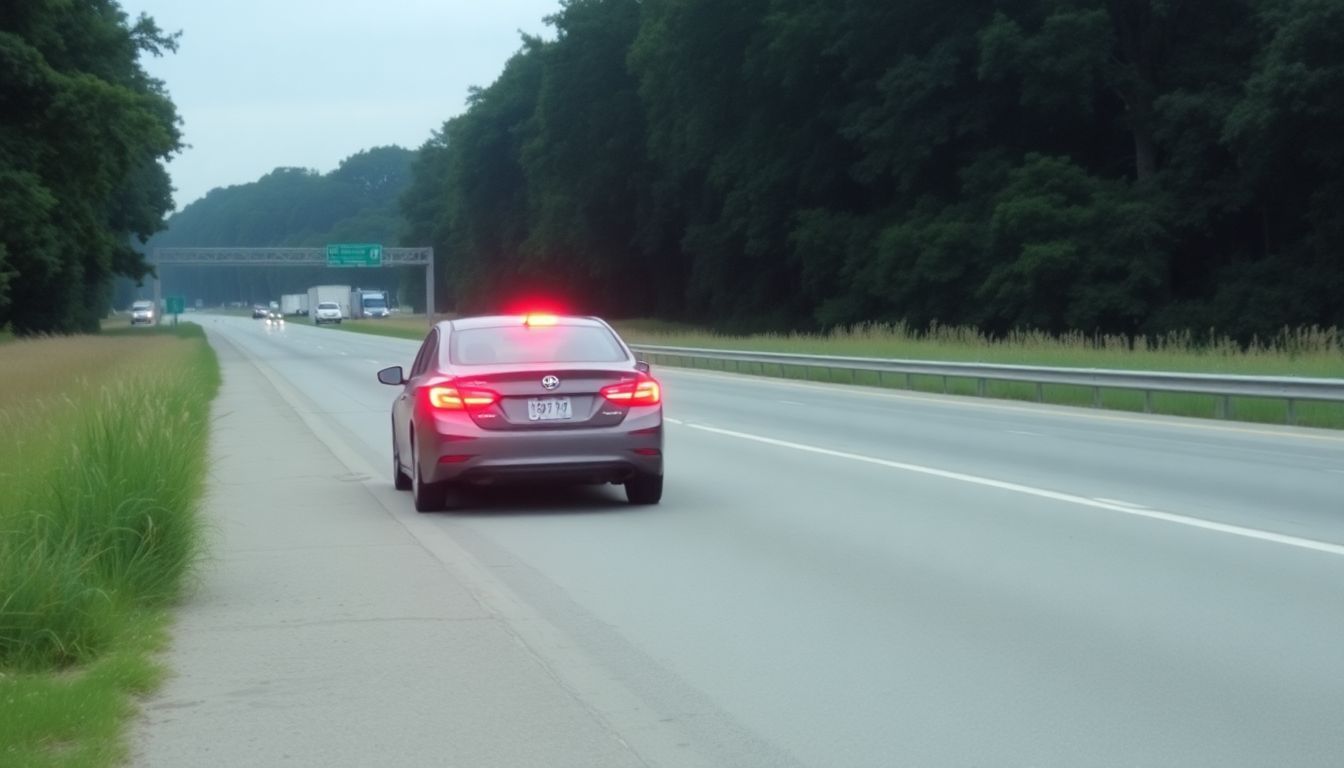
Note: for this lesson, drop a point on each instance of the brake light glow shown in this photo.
(644, 390)
(450, 398)
(539, 319)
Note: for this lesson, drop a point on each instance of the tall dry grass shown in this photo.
(102, 464)
(1307, 351)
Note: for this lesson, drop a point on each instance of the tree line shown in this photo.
(358, 202)
(1130, 166)
(84, 132)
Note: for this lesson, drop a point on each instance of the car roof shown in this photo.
(504, 321)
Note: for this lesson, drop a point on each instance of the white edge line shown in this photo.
(1152, 514)
(1118, 502)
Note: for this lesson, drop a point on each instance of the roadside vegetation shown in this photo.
(1130, 168)
(103, 466)
(1317, 352)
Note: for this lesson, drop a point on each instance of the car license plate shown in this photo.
(549, 409)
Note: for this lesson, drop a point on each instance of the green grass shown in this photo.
(1300, 352)
(398, 327)
(1303, 352)
(103, 467)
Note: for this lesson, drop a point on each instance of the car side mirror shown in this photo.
(392, 376)
(643, 366)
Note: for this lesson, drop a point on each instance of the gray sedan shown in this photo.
(536, 398)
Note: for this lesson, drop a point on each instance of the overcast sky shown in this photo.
(267, 83)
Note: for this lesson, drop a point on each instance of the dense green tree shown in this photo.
(83, 133)
(1127, 166)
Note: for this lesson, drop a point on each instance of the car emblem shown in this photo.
(550, 382)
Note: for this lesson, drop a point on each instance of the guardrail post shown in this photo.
(979, 387)
(1292, 412)
(1147, 401)
(1096, 397)
(944, 384)
(1040, 392)
(1220, 408)
(907, 382)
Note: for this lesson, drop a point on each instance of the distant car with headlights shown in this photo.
(536, 398)
(260, 312)
(275, 318)
(142, 312)
(327, 312)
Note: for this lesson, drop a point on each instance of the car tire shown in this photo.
(400, 480)
(644, 489)
(338, 322)
(428, 497)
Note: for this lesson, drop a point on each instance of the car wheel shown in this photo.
(338, 322)
(644, 489)
(400, 480)
(429, 497)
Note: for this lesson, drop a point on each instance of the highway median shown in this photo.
(1301, 352)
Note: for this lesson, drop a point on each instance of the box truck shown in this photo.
(294, 304)
(368, 303)
(337, 293)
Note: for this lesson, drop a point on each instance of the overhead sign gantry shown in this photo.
(359, 255)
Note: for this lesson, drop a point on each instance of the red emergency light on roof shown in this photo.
(539, 319)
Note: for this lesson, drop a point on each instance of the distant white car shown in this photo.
(327, 312)
(142, 312)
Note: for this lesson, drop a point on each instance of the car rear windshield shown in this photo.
(142, 305)
(508, 345)
(328, 305)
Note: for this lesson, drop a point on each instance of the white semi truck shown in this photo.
(337, 293)
(368, 303)
(294, 304)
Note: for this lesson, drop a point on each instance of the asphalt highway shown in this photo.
(845, 576)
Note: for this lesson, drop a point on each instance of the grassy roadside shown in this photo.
(396, 327)
(103, 468)
(1302, 352)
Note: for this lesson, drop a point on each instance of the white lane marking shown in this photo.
(793, 402)
(678, 422)
(1129, 504)
(375, 362)
(347, 354)
(1152, 514)
(1024, 433)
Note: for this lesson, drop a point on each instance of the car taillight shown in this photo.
(644, 390)
(451, 398)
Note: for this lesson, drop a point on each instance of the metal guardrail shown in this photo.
(1288, 388)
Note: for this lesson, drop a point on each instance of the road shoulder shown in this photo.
(323, 632)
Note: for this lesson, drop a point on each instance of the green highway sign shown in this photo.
(176, 305)
(354, 255)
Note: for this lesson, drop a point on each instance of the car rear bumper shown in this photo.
(461, 452)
